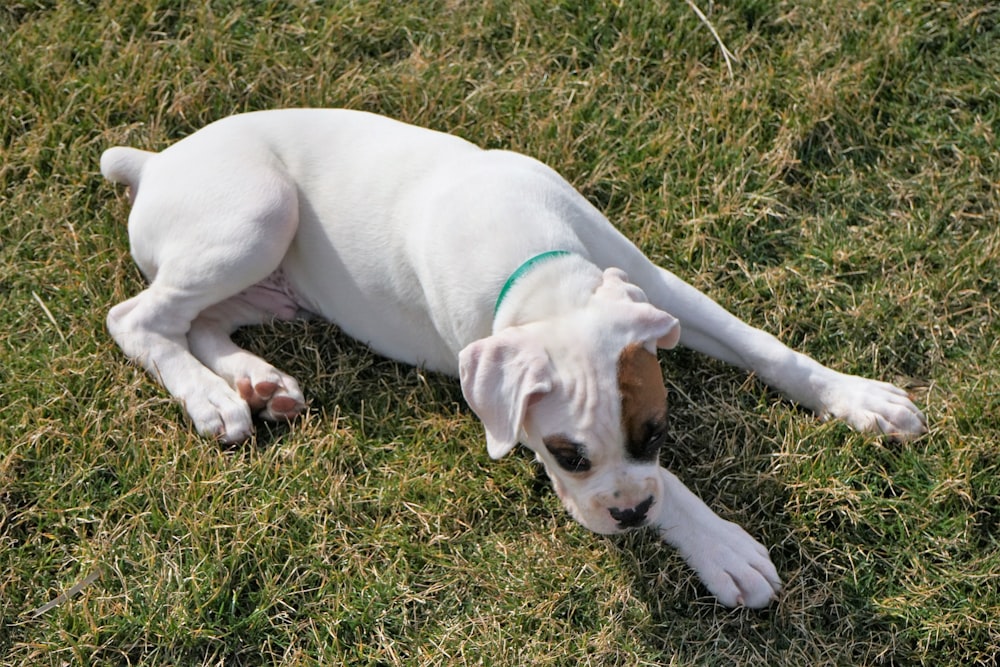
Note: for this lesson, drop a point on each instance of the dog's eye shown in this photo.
(568, 454)
(656, 440)
(574, 463)
(647, 447)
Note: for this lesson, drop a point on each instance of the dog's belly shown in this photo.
(390, 332)
(397, 337)
(377, 308)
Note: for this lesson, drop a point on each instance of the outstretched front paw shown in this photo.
(876, 407)
(735, 567)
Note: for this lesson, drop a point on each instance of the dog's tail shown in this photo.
(121, 164)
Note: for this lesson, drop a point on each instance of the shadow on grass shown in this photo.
(722, 447)
(339, 373)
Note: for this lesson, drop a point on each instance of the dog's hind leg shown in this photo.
(205, 233)
(269, 392)
(151, 328)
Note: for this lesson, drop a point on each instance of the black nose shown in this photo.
(631, 518)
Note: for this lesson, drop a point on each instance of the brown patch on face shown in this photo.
(644, 402)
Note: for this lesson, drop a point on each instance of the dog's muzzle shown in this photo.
(631, 518)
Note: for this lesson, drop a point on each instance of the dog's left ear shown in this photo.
(501, 375)
(653, 324)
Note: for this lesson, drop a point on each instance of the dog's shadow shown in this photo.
(338, 373)
(713, 420)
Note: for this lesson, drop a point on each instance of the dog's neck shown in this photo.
(523, 269)
(544, 286)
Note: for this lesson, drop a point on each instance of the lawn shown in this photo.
(839, 187)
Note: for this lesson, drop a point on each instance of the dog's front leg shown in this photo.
(733, 566)
(867, 405)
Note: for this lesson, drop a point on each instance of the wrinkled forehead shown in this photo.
(605, 397)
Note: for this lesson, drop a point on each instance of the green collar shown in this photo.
(523, 269)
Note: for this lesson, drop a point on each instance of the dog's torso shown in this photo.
(404, 235)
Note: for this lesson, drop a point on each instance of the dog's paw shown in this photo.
(218, 412)
(873, 406)
(277, 397)
(733, 566)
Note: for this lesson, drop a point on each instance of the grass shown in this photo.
(840, 189)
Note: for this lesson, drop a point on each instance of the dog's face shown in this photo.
(600, 440)
(584, 391)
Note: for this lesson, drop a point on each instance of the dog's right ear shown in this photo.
(501, 375)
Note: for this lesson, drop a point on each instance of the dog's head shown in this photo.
(584, 391)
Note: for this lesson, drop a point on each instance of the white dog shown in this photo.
(484, 264)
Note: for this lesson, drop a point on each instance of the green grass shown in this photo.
(839, 190)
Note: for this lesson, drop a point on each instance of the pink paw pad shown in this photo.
(269, 399)
(284, 406)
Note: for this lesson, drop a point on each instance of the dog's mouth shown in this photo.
(603, 520)
(613, 520)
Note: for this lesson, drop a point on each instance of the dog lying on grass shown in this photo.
(484, 264)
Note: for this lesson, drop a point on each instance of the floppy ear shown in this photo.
(500, 376)
(654, 324)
